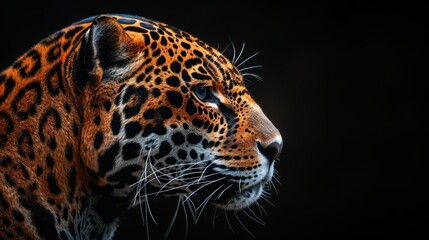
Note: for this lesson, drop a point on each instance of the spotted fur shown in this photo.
(114, 108)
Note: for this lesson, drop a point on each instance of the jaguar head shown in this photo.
(177, 117)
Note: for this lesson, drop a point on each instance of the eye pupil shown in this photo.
(203, 93)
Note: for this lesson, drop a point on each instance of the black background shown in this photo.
(341, 81)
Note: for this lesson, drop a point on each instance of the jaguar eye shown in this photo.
(204, 93)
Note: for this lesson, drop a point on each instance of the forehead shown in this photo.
(166, 45)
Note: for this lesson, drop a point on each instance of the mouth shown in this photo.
(224, 189)
(227, 194)
(235, 198)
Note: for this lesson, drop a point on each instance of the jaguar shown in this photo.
(115, 108)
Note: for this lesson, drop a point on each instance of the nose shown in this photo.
(271, 151)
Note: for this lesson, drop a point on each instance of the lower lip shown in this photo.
(228, 195)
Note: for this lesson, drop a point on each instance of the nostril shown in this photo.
(271, 151)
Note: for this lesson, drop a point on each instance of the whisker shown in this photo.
(241, 52)
(276, 179)
(273, 186)
(178, 187)
(217, 46)
(219, 214)
(241, 223)
(227, 46)
(137, 192)
(146, 220)
(214, 219)
(247, 59)
(207, 167)
(174, 179)
(149, 210)
(198, 181)
(254, 217)
(223, 191)
(142, 178)
(144, 217)
(268, 201)
(227, 220)
(192, 207)
(261, 209)
(186, 216)
(172, 166)
(250, 67)
(171, 179)
(170, 226)
(204, 203)
(252, 75)
(239, 185)
(154, 173)
(266, 194)
(147, 205)
(204, 177)
(233, 49)
(204, 185)
(276, 176)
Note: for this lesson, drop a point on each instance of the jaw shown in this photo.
(221, 194)
(233, 196)
(239, 199)
(223, 189)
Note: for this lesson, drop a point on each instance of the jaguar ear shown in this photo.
(108, 50)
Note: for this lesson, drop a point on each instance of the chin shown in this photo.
(237, 200)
